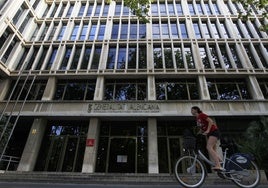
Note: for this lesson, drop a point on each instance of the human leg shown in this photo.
(211, 147)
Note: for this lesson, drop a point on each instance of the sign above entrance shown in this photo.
(123, 108)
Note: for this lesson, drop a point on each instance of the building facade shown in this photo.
(87, 87)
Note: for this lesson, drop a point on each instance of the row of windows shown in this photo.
(124, 90)
(65, 9)
(173, 29)
(134, 56)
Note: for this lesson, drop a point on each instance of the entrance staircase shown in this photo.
(104, 178)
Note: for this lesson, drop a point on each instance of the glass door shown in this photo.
(122, 155)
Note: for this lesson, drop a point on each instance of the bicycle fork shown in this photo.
(192, 168)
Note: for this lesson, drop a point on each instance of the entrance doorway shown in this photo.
(122, 147)
(122, 156)
(63, 147)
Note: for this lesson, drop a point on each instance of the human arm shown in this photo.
(210, 123)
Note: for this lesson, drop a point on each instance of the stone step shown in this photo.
(87, 178)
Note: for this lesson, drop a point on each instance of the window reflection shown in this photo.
(228, 90)
(125, 90)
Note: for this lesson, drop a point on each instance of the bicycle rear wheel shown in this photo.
(189, 171)
(247, 178)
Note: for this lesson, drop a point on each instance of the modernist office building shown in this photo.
(90, 88)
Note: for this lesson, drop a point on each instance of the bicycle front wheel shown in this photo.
(247, 178)
(189, 172)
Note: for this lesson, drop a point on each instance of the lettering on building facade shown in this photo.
(123, 108)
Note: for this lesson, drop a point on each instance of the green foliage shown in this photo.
(140, 8)
(260, 5)
(255, 141)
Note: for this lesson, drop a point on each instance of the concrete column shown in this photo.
(32, 146)
(4, 88)
(91, 150)
(203, 89)
(99, 90)
(153, 167)
(50, 89)
(254, 88)
(151, 88)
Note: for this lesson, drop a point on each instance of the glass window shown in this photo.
(189, 57)
(165, 31)
(158, 59)
(205, 30)
(261, 55)
(174, 30)
(264, 87)
(82, 9)
(225, 57)
(142, 31)
(208, 10)
(61, 34)
(204, 57)
(191, 9)
(83, 32)
(156, 30)
(66, 58)
(105, 10)
(18, 15)
(121, 58)
(215, 56)
(178, 57)
(142, 57)
(168, 57)
(176, 90)
(42, 57)
(133, 31)
(32, 59)
(115, 31)
(215, 30)
(228, 89)
(9, 50)
(22, 59)
(132, 57)
(52, 58)
(171, 9)
(76, 58)
(86, 56)
(42, 37)
(92, 31)
(4, 38)
(184, 33)
(251, 57)
(199, 8)
(62, 10)
(96, 58)
(125, 90)
(54, 11)
(24, 23)
(101, 31)
(75, 90)
(124, 31)
(197, 30)
(179, 9)
(216, 8)
(111, 58)
(21, 90)
(51, 35)
(118, 7)
(163, 10)
(97, 11)
(224, 30)
(235, 57)
(75, 31)
(154, 9)
(70, 10)
(90, 9)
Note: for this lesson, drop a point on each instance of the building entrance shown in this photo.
(63, 147)
(122, 147)
(122, 155)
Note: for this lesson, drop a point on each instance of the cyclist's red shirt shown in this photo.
(203, 123)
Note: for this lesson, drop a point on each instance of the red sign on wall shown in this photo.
(90, 142)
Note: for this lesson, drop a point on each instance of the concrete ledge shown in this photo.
(92, 178)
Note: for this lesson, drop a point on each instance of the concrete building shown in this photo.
(90, 88)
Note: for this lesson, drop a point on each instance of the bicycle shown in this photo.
(190, 170)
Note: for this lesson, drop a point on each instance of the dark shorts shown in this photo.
(215, 133)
